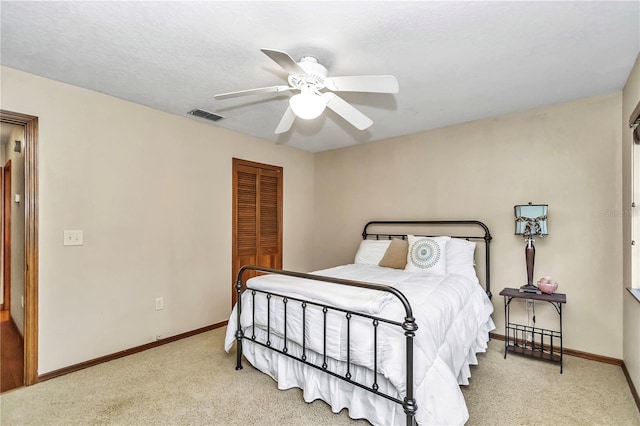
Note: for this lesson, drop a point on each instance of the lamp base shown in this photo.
(530, 288)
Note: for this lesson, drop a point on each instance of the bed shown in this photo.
(390, 343)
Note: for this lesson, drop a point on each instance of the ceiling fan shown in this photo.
(310, 77)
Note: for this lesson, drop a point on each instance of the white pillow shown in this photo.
(371, 252)
(427, 254)
(460, 257)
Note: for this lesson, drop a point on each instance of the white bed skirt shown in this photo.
(361, 404)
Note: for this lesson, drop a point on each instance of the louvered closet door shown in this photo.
(257, 217)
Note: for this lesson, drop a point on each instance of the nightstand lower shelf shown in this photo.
(534, 342)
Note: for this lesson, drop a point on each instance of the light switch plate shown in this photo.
(73, 237)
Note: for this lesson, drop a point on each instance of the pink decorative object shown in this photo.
(547, 285)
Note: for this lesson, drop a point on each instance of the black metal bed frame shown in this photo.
(408, 324)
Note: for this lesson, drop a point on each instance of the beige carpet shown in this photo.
(193, 382)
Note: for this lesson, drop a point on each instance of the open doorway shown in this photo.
(12, 281)
(22, 202)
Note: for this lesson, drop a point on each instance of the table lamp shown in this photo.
(531, 219)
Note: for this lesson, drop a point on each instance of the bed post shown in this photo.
(239, 332)
(487, 241)
(410, 406)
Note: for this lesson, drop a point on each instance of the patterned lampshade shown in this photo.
(531, 219)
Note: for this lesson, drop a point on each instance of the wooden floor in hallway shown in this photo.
(11, 354)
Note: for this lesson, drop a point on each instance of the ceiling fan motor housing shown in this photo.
(316, 74)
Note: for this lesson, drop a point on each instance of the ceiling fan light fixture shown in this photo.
(307, 105)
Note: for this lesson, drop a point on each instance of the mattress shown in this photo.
(452, 312)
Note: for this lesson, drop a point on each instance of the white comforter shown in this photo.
(452, 313)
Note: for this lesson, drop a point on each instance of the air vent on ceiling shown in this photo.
(205, 114)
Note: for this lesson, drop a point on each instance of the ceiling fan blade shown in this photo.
(347, 111)
(363, 83)
(286, 122)
(284, 60)
(271, 89)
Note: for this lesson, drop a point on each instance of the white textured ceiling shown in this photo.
(454, 61)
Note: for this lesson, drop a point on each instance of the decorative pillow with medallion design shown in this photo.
(427, 254)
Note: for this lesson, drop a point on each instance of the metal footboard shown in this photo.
(408, 324)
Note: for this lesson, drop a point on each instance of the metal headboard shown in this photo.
(390, 224)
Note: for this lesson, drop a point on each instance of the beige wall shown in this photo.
(17, 226)
(631, 339)
(568, 156)
(152, 193)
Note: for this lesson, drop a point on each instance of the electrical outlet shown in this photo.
(529, 304)
(159, 303)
